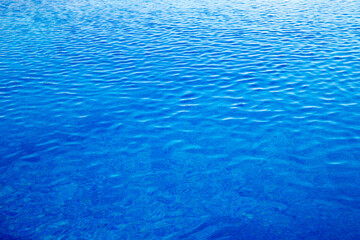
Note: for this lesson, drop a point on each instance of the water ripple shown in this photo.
(179, 120)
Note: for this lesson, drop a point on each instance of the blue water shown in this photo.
(186, 119)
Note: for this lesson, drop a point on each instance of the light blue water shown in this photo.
(186, 119)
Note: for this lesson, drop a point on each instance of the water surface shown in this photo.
(221, 119)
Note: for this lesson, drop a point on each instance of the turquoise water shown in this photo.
(228, 119)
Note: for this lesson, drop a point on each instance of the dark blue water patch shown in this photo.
(179, 120)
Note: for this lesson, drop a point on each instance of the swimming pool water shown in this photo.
(186, 119)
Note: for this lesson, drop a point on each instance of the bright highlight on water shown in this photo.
(202, 119)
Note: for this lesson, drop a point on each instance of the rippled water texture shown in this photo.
(186, 119)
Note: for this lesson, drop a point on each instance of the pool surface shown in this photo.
(186, 119)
